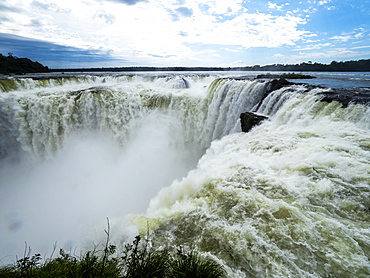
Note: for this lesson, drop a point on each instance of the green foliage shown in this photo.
(141, 261)
(360, 65)
(191, 265)
(11, 64)
(138, 259)
(28, 265)
(65, 265)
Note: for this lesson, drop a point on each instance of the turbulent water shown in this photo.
(165, 152)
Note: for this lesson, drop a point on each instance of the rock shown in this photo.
(285, 75)
(276, 84)
(345, 96)
(248, 120)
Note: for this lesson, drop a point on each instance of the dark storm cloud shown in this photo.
(49, 54)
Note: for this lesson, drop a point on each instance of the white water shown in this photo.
(289, 199)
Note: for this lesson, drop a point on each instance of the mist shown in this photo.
(92, 178)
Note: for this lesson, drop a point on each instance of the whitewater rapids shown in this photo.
(288, 199)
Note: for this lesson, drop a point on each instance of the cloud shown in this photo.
(328, 55)
(254, 30)
(161, 56)
(4, 13)
(239, 62)
(183, 11)
(36, 23)
(274, 6)
(222, 7)
(344, 37)
(128, 2)
(341, 38)
(49, 6)
(7, 8)
(179, 2)
(107, 18)
(313, 46)
(230, 50)
(183, 31)
(44, 52)
(323, 2)
(44, 6)
(177, 13)
(359, 47)
(174, 30)
(183, 34)
(360, 34)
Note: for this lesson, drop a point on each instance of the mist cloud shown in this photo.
(90, 179)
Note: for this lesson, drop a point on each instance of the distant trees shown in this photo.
(11, 64)
(360, 65)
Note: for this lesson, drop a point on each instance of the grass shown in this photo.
(137, 259)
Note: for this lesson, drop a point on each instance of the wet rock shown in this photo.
(248, 120)
(276, 84)
(347, 95)
(285, 75)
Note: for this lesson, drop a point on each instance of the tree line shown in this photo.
(14, 65)
(349, 66)
(359, 65)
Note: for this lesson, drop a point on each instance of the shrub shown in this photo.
(192, 265)
(138, 259)
(141, 261)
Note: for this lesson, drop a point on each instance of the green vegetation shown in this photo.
(138, 259)
(286, 76)
(351, 66)
(13, 65)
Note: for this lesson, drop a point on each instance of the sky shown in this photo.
(219, 33)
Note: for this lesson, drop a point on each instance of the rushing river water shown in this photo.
(165, 152)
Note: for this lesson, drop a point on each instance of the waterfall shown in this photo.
(40, 121)
(288, 199)
(164, 153)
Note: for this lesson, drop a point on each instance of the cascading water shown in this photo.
(40, 121)
(288, 199)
